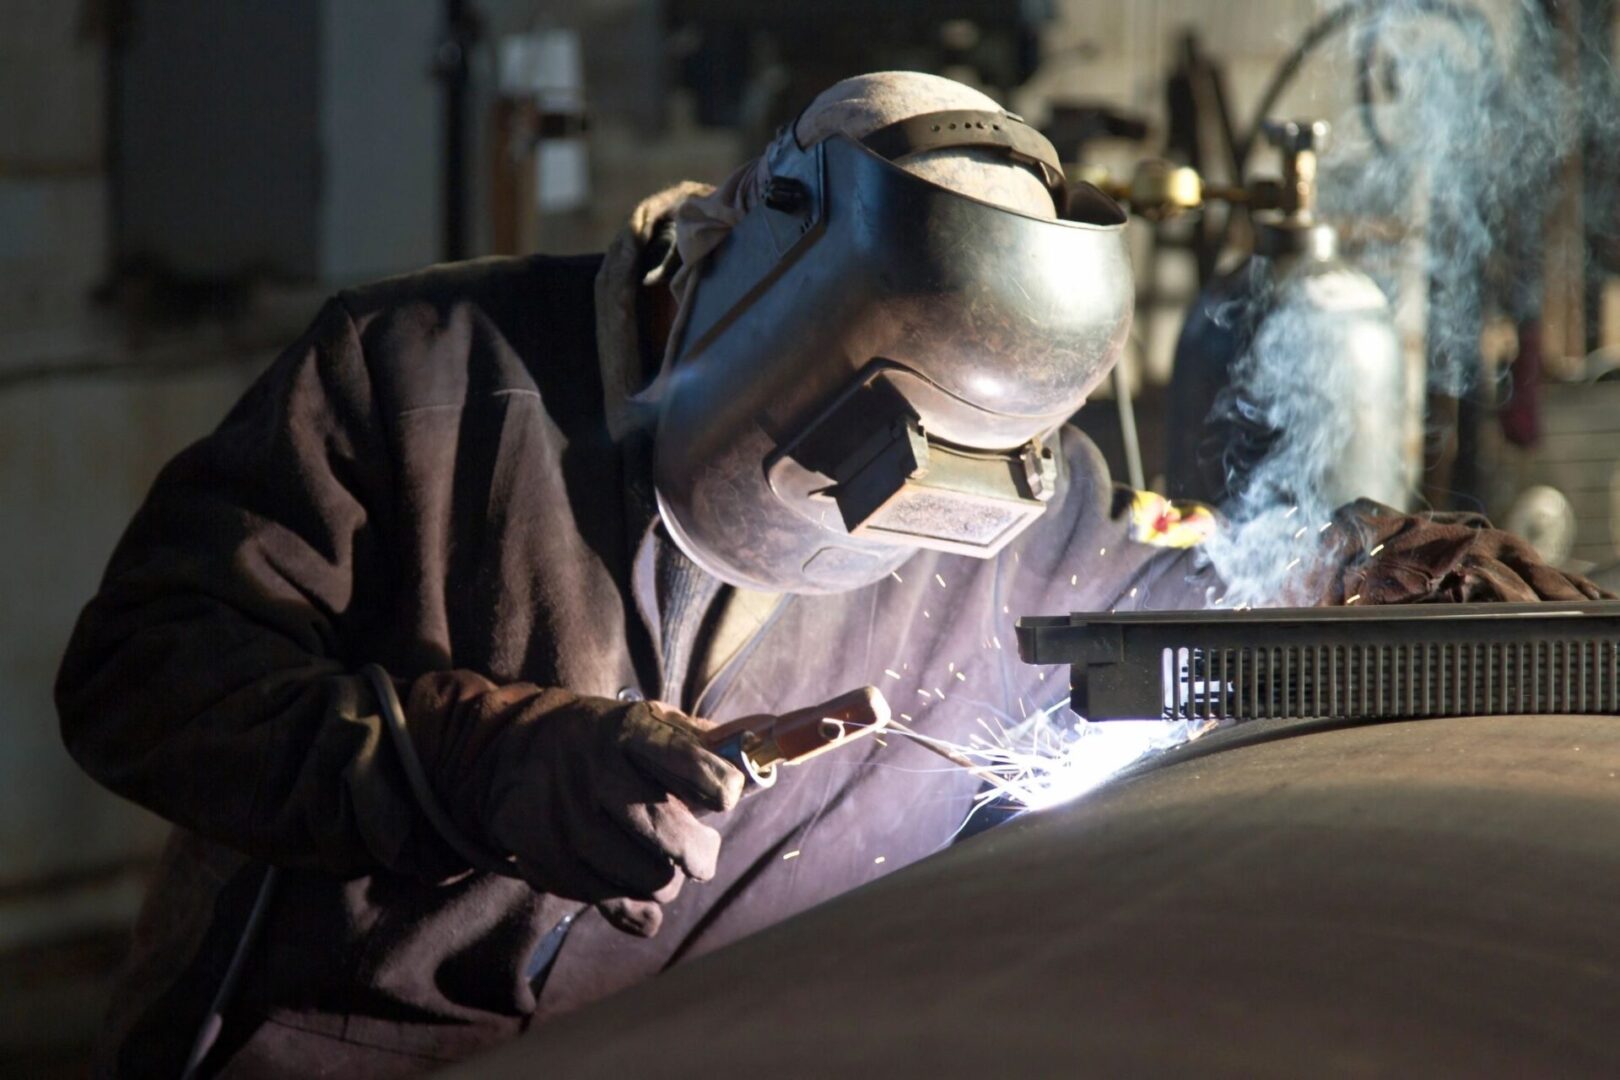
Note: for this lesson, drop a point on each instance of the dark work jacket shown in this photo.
(426, 482)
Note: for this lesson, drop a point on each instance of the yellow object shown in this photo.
(1161, 522)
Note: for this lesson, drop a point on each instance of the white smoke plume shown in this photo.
(1479, 110)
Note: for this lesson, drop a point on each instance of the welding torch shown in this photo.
(758, 744)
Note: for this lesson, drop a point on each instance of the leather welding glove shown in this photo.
(1387, 557)
(593, 799)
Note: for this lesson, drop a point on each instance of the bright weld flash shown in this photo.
(1047, 760)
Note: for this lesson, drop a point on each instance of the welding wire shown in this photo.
(958, 759)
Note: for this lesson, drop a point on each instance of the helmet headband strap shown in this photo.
(977, 129)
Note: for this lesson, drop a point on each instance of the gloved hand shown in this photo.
(1387, 557)
(594, 799)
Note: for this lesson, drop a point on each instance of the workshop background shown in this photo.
(181, 181)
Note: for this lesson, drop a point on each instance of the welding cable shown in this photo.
(393, 714)
(208, 1031)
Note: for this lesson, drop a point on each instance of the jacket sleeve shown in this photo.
(211, 678)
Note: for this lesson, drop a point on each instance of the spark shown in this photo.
(926, 615)
(896, 575)
(1074, 579)
(1102, 551)
(951, 666)
(906, 717)
(794, 854)
(996, 640)
(1133, 590)
(879, 860)
(940, 580)
(891, 673)
(1046, 760)
(939, 693)
(1300, 533)
(1352, 600)
(1292, 510)
(1291, 565)
(1375, 551)
(923, 692)
(880, 741)
(1006, 609)
(1326, 525)
(961, 676)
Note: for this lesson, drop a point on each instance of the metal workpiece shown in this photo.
(1432, 897)
(880, 342)
(1420, 660)
(758, 744)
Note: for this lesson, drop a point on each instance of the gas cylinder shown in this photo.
(1294, 340)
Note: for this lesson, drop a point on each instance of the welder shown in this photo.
(795, 434)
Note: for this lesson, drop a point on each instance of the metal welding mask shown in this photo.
(872, 363)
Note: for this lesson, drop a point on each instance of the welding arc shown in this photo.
(958, 759)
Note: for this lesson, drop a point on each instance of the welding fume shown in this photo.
(451, 653)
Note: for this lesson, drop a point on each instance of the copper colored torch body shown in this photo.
(757, 744)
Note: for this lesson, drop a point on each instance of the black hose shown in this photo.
(214, 1022)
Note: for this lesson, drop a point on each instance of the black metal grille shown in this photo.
(1426, 679)
(1436, 660)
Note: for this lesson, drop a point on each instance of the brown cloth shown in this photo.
(427, 482)
(1386, 557)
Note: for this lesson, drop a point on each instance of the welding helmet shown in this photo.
(872, 363)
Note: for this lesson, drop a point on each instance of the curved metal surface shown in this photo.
(1414, 897)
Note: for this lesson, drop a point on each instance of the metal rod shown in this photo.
(958, 759)
(1127, 427)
